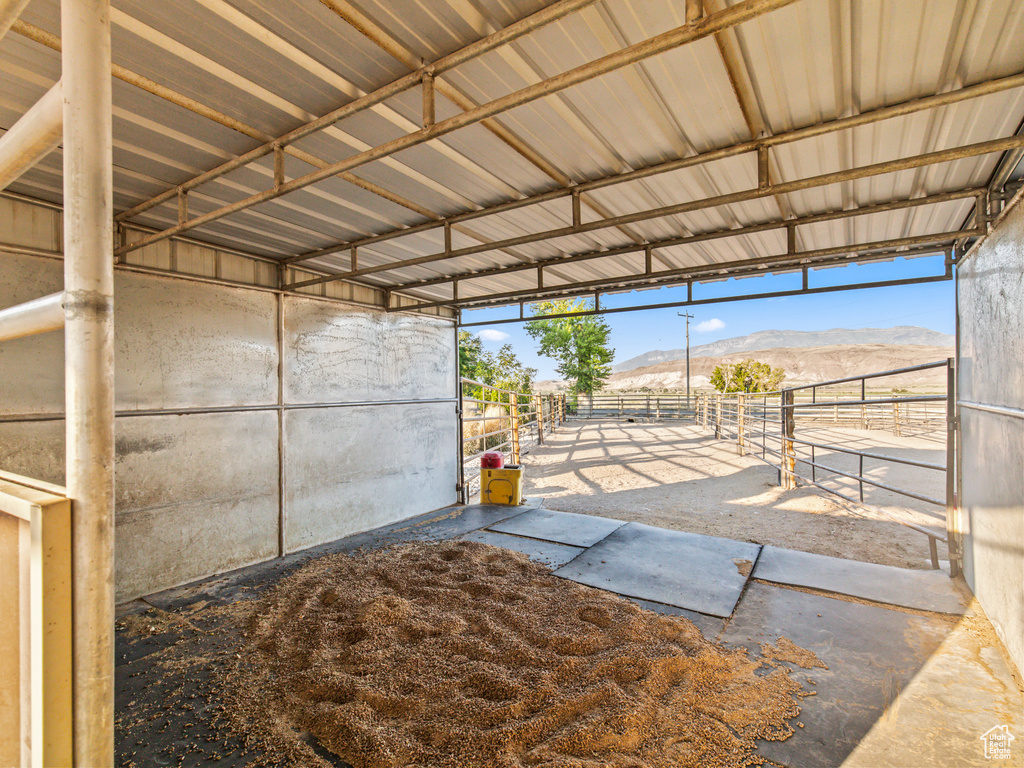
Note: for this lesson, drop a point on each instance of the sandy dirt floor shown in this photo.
(677, 475)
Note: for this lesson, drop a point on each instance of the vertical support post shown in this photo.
(740, 443)
(182, 206)
(577, 214)
(428, 99)
(718, 417)
(354, 258)
(462, 493)
(762, 167)
(540, 419)
(278, 166)
(896, 420)
(863, 408)
(953, 532)
(513, 411)
(89, 368)
(788, 467)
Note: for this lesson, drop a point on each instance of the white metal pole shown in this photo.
(89, 368)
(36, 316)
(32, 138)
(10, 10)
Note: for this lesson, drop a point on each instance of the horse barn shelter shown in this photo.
(236, 237)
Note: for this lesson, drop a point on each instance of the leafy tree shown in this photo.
(502, 369)
(747, 376)
(579, 344)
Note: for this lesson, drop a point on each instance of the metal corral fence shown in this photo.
(495, 419)
(633, 405)
(766, 424)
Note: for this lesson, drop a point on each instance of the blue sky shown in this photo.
(929, 305)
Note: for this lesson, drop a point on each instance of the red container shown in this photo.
(492, 460)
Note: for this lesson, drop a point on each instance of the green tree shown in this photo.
(747, 376)
(578, 344)
(502, 369)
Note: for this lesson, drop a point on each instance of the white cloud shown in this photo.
(489, 334)
(714, 324)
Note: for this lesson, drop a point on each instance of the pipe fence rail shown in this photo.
(765, 425)
(497, 419)
(632, 405)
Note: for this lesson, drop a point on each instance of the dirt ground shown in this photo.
(677, 475)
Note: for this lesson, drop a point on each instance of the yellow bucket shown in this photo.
(502, 486)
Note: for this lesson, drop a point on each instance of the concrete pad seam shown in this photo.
(746, 584)
(546, 541)
(861, 600)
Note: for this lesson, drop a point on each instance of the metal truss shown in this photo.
(675, 38)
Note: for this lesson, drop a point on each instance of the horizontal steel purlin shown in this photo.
(798, 134)
(734, 15)
(821, 180)
(716, 300)
(699, 238)
(756, 265)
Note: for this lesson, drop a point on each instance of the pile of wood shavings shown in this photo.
(462, 654)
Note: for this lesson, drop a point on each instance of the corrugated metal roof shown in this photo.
(273, 65)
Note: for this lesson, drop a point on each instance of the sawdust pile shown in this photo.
(462, 654)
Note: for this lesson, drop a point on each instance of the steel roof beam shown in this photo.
(742, 267)
(761, 191)
(473, 50)
(721, 153)
(390, 45)
(717, 234)
(736, 14)
(718, 300)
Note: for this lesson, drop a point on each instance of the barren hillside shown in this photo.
(804, 365)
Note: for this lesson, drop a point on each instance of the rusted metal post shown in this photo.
(863, 408)
(540, 419)
(89, 367)
(788, 465)
(896, 420)
(740, 446)
(718, 417)
(954, 534)
(513, 411)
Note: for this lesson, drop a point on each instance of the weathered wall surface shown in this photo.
(347, 444)
(991, 373)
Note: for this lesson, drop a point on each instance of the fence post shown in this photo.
(896, 420)
(539, 405)
(788, 464)
(718, 417)
(513, 404)
(740, 446)
(953, 532)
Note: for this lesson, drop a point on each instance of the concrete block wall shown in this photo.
(249, 425)
(990, 296)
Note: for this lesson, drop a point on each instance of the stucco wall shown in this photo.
(219, 460)
(990, 287)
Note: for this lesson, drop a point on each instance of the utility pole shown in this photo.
(688, 317)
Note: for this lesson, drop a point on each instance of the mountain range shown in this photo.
(903, 335)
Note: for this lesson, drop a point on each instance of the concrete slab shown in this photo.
(872, 653)
(700, 573)
(545, 552)
(919, 589)
(561, 527)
